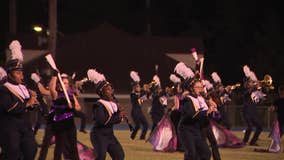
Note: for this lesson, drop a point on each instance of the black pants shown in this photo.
(175, 117)
(41, 114)
(194, 143)
(281, 127)
(139, 118)
(208, 133)
(103, 141)
(82, 116)
(224, 120)
(18, 143)
(48, 133)
(66, 142)
(39, 121)
(252, 119)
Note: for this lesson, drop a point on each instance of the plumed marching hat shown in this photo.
(216, 79)
(208, 85)
(15, 61)
(175, 79)
(135, 78)
(187, 75)
(249, 74)
(98, 79)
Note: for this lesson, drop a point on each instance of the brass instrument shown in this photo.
(148, 86)
(232, 87)
(169, 90)
(266, 82)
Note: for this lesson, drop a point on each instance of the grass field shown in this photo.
(139, 150)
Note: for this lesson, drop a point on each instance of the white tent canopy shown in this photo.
(186, 58)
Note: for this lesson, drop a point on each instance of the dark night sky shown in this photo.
(234, 32)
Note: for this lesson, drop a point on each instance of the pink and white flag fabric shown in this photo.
(275, 138)
(164, 137)
(85, 152)
(275, 144)
(225, 138)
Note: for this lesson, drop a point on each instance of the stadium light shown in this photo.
(37, 28)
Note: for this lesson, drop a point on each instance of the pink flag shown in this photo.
(164, 137)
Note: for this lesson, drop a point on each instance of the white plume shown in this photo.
(183, 70)
(174, 78)
(208, 85)
(246, 70)
(216, 77)
(16, 50)
(134, 76)
(252, 76)
(3, 73)
(194, 54)
(35, 77)
(95, 76)
(157, 80)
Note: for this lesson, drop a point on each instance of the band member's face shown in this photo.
(179, 89)
(66, 83)
(108, 91)
(198, 88)
(221, 88)
(137, 88)
(17, 76)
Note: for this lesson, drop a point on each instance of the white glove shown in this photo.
(257, 95)
(164, 100)
(35, 77)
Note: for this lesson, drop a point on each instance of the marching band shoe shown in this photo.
(254, 144)
(132, 137)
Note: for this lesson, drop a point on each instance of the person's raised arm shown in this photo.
(52, 88)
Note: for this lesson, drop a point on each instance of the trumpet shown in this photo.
(148, 86)
(267, 82)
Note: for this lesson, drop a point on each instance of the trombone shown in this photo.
(232, 87)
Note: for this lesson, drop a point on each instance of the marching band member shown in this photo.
(175, 110)
(159, 102)
(17, 139)
(137, 97)
(215, 114)
(42, 109)
(251, 97)
(80, 114)
(222, 98)
(194, 113)
(106, 113)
